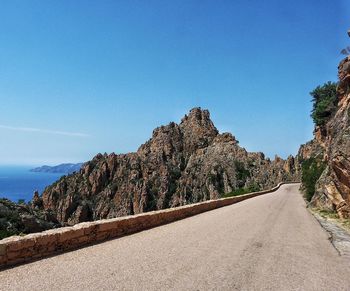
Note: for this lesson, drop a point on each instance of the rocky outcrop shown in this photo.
(332, 145)
(181, 164)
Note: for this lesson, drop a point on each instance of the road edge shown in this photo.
(339, 238)
(21, 249)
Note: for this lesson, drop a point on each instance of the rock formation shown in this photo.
(332, 144)
(181, 164)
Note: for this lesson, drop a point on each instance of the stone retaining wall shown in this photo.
(19, 249)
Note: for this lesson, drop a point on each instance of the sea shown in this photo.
(17, 182)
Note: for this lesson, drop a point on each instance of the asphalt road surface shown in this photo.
(269, 242)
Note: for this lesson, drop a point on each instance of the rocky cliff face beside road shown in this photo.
(181, 164)
(331, 144)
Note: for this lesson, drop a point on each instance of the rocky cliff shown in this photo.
(331, 144)
(181, 164)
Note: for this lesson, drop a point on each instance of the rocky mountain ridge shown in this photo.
(181, 164)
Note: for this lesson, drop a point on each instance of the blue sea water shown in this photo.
(19, 183)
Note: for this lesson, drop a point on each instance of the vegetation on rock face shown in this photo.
(17, 219)
(325, 101)
(241, 173)
(311, 171)
(10, 223)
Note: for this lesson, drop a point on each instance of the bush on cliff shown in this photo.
(325, 102)
(10, 221)
(241, 173)
(18, 219)
(311, 171)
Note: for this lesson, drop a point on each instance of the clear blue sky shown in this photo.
(82, 77)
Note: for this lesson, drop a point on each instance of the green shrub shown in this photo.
(151, 202)
(21, 201)
(325, 102)
(241, 191)
(241, 173)
(5, 233)
(237, 192)
(253, 188)
(311, 172)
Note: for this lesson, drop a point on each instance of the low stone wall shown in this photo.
(19, 249)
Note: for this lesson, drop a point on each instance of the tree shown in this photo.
(311, 171)
(325, 102)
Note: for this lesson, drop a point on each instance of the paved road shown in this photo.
(269, 242)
